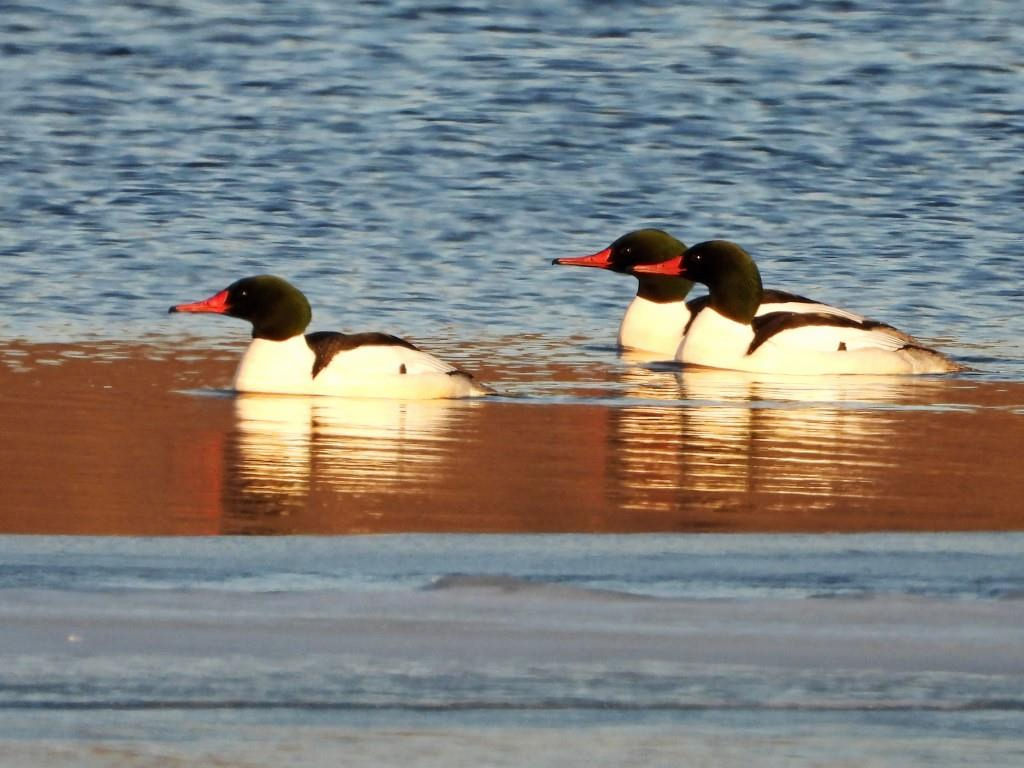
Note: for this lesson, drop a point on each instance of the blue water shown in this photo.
(948, 567)
(413, 166)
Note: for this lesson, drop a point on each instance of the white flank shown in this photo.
(658, 328)
(286, 367)
(715, 341)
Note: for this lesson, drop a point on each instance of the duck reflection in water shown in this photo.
(740, 444)
(294, 461)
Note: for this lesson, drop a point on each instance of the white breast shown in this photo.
(282, 367)
(652, 327)
(715, 341)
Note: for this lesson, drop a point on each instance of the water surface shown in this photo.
(824, 649)
(413, 167)
(128, 439)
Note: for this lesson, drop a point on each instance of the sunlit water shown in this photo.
(414, 168)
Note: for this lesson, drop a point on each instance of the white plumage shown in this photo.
(376, 370)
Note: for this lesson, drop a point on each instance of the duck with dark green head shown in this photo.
(657, 319)
(283, 359)
(734, 332)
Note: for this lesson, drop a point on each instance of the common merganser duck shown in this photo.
(283, 359)
(658, 317)
(730, 331)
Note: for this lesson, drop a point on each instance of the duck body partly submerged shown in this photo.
(283, 359)
(733, 330)
(805, 343)
(349, 365)
(659, 317)
(653, 327)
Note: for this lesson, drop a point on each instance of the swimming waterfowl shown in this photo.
(657, 318)
(283, 359)
(732, 331)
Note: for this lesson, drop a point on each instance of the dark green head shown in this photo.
(275, 307)
(641, 246)
(728, 271)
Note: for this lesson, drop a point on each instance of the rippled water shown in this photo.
(414, 166)
(146, 446)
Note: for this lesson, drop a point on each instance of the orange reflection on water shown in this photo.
(810, 437)
(132, 440)
(795, 453)
(285, 446)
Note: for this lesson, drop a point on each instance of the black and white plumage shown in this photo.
(658, 318)
(283, 359)
(733, 331)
